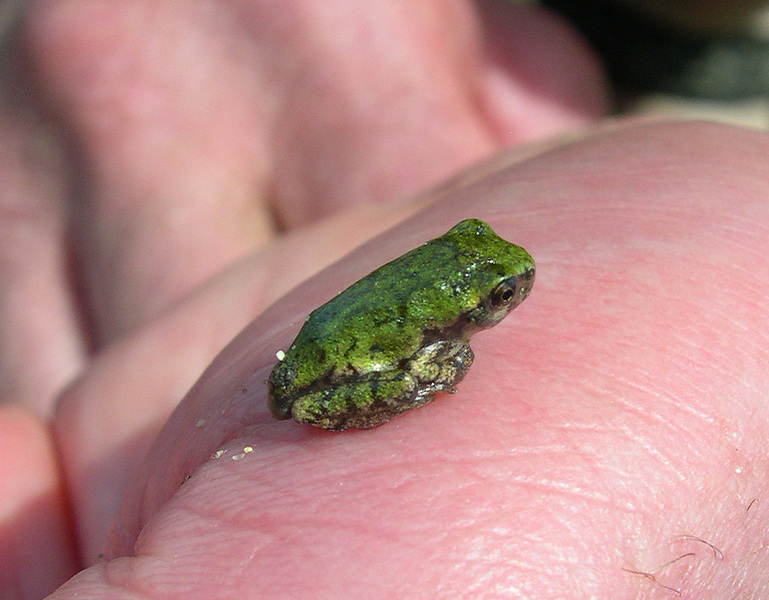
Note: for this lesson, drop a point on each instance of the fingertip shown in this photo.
(541, 78)
(38, 553)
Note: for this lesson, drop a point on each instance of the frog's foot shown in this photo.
(440, 366)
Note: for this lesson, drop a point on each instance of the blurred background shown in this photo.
(698, 58)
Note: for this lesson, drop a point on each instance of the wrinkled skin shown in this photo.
(617, 425)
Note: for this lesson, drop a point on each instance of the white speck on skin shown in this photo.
(218, 454)
(200, 423)
(246, 450)
(738, 469)
(280, 355)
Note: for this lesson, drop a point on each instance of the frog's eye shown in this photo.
(504, 292)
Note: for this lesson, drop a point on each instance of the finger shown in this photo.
(157, 101)
(41, 345)
(36, 548)
(539, 78)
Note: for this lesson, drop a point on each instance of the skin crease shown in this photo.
(617, 411)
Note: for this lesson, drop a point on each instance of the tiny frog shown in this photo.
(390, 341)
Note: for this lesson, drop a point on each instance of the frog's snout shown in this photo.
(526, 282)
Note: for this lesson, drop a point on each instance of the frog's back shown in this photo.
(391, 295)
(426, 287)
(371, 324)
(383, 317)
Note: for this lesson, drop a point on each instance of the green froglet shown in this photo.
(393, 339)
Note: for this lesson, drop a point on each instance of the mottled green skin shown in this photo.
(392, 340)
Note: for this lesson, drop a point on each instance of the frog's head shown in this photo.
(502, 275)
(508, 293)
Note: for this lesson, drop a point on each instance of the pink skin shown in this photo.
(619, 410)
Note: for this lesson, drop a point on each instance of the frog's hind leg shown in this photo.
(442, 365)
(361, 404)
(382, 396)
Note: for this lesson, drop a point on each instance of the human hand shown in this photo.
(576, 436)
(613, 424)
